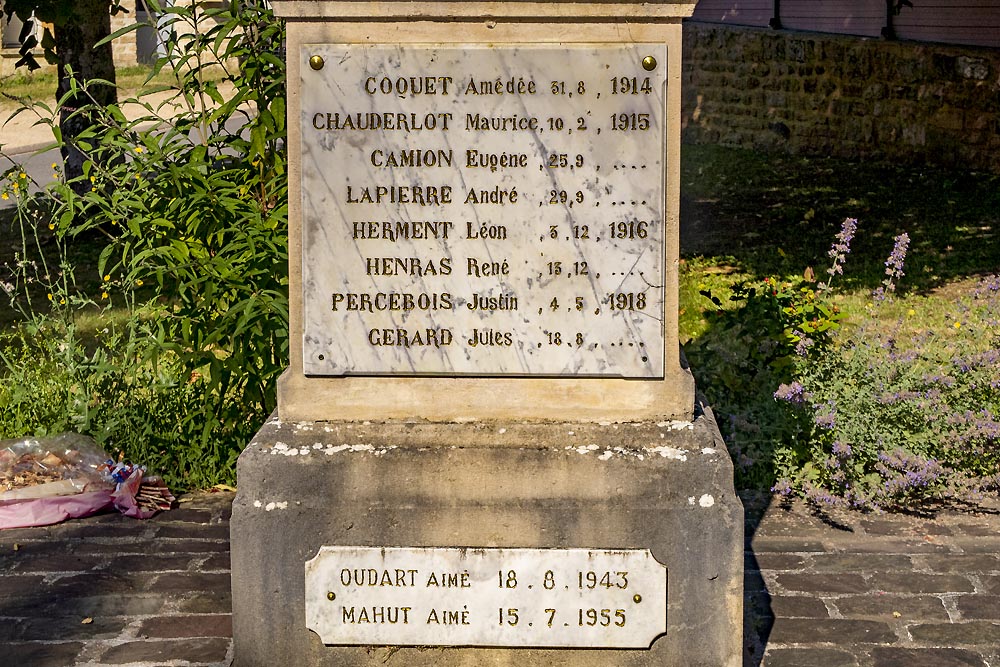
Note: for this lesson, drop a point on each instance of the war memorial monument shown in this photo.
(487, 449)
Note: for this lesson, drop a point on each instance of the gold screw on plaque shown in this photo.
(331, 596)
(637, 598)
(316, 62)
(648, 63)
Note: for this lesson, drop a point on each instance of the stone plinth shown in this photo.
(666, 487)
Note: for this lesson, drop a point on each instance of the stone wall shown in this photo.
(846, 96)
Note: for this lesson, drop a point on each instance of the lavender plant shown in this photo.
(884, 420)
(898, 408)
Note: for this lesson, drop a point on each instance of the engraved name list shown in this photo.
(488, 211)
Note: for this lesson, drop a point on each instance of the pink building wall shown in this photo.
(968, 22)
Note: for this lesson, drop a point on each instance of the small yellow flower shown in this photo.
(93, 180)
(911, 312)
(62, 301)
(4, 196)
(51, 226)
(14, 185)
(107, 278)
(55, 165)
(958, 325)
(50, 297)
(104, 295)
(138, 283)
(139, 149)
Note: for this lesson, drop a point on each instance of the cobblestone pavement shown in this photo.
(844, 590)
(854, 590)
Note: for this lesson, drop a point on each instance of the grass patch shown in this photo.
(25, 88)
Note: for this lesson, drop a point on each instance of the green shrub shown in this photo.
(190, 306)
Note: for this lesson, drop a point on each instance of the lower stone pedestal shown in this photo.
(666, 487)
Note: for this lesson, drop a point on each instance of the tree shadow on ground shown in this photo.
(777, 214)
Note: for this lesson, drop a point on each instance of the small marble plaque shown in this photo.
(483, 210)
(584, 598)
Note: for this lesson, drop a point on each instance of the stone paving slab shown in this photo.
(837, 590)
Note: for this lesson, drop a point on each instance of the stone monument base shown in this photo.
(666, 487)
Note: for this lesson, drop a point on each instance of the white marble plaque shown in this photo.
(583, 598)
(483, 210)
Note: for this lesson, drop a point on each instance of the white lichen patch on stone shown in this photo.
(280, 505)
(604, 423)
(570, 433)
(502, 431)
(676, 425)
(613, 452)
(669, 453)
(583, 449)
(708, 450)
(329, 450)
(690, 500)
(317, 447)
(257, 503)
(706, 501)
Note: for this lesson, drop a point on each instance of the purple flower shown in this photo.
(989, 286)
(827, 420)
(802, 347)
(842, 246)
(893, 268)
(894, 265)
(782, 487)
(793, 393)
(841, 449)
